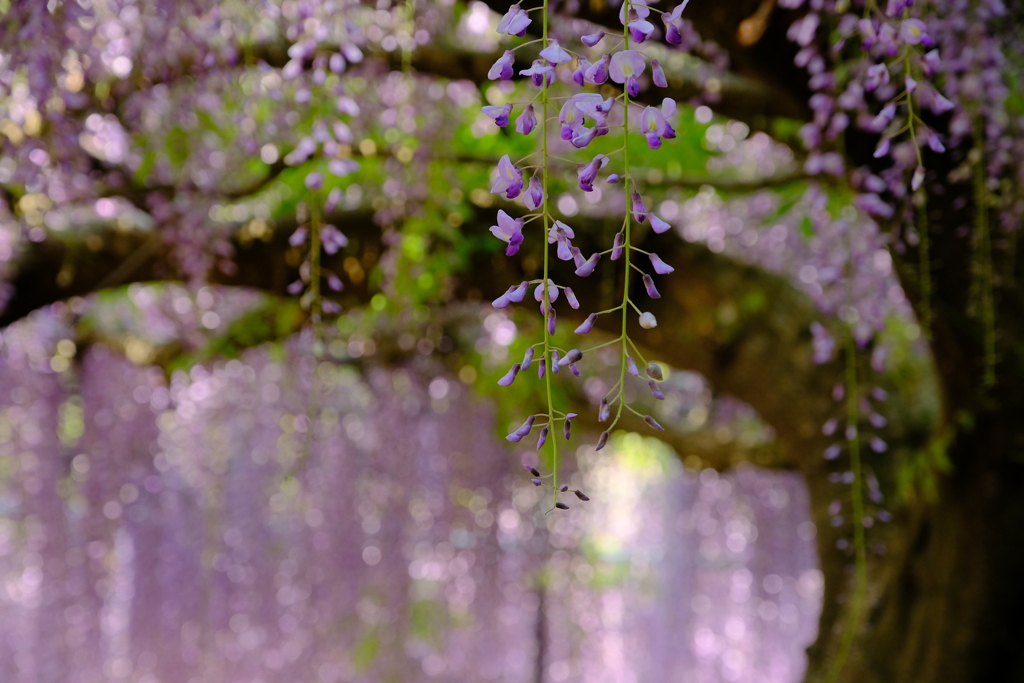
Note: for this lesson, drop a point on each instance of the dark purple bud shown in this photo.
(592, 39)
(654, 371)
(536, 482)
(541, 366)
(561, 506)
(652, 423)
(509, 376)
(672, 35)
(542, 438)
(588, 267)
(617, 244)
(655, 391)
(587, 325)
(563, 488)
(555, 365)
(601, 441)
(652, 291)
(570, 296)
(605, 411)
(633, 85)
(631, 366)
(572, 357)
(567, 429)
(551, 321)
(582, 496)
(532, 470)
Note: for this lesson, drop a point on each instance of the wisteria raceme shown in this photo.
(582, 117)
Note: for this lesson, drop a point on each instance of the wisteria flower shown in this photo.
(527, 121)
(332, 239)
(555, 54)
(538, 72)
(655, 125)
(588, 266)
(660, 267)
(639, 28)
(579, 76)
(912, 32)
(515, 22)
(562, 234)
(534, 196)
(658, 74)
(878, 75)
(625, 67)
(502, 69)
(592, 39)
(588, 172)
(639, 7)
(658, 225)
(509, 179)
(597, 73)
(508, 230)
(500, 114)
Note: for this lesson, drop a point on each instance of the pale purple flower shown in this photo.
(522, 431)
(655, 126)
(527, 121)
(612, 179)
(508, 230)
(878, 75)
(895, 7)
(672, 34)
(314, 181)
(538, 72)
(658, 74)
(625, 65)
(883, 148)
(298, 237)
(587, 325)
(332, 239)
(934, 143)
(588, 267)
(887, 114)
(912, 32)
(639, 209)
(631, 366)
(605, 411)
(911, 84)
(502, 69)
(580, 74)
(555, 54)
(652, 291)
(618, 246)
(342, 167)
(638, 10)
(639, 28)
(676, 12)
(940, 104)
(335, 283)
(872, 204)
(930, 62)
(659, 226)
(877, 445)
(534, 196)
(517, 294)
(509, 179)
(577, 257)
(509, 376)
(660, 267)
(832, 452)
(597, 73)
(570, 296)
(500, 114)
(514, 22)
(588, 172)
(802, 30)
(592, 39)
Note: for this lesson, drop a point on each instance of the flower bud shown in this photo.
(631, 366)
(567, 429)
(509, 376)
(617, 246)
(604, 412)
(521, 431)
(555, 364)
(587, 325)
(542, 438)
(652, 423)
(601, 441)
(655, 391)
(536, 482)
(572, 357)
(563, 488)
(652, 291)
(648, 321)
(653, 371)
(561, 506)
(574, 369)
(527, 359)
(541, 366)
(581, 495)
(532, 470)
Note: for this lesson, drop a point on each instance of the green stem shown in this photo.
(552, 437)
(857, 500)
(628, 223)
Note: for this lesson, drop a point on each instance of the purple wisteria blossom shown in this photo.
(625, 67)
(534, 196)
(538, 72)
(654, 123)
(502, 69)
(588, 172)
(509, 179)
(508, 230)
(527, 121)
(592, 39)
(555, 54)
(597, 73)
(500, 114)
(515, 22)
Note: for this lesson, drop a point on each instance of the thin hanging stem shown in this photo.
(547, 260)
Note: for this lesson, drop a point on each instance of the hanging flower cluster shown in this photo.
(583, 116)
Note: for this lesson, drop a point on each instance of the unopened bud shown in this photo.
(561, 506)
(536, 482)
(581, 495)
(652, 423)
(653, 371)
(601, 441)
(563, 488)
(542, 438)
